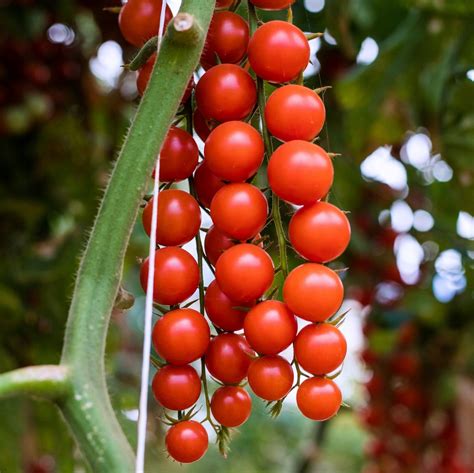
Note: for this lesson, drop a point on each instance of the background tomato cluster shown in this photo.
(61, 119)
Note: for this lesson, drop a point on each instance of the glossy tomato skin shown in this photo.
(270, 377)
(220, 309)
(226, 92)
(234, 151)
(231, 406)
(228, 38)
(270, 327)
(300, 172)
(187, 441)
(244, 272)
(181, 336)
(272, 4)
(313, 292)
(319, 398)
(215, 243)
(220, 4)
(278, 51)
(320, 348)
(319, 232)
(176, 387)
(201, 126)
(228, 358)
(176, 276)
(206, 184)
(239, 210)
(139, 20)
(294, 112)
(179, 217)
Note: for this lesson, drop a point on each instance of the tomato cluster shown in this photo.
(242, 328)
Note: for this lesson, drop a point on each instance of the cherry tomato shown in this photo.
(313, 292)
(318, 398)
(220, 4)
(228, 358)
(220, 309)
(226, 92)
(227, 38)
(405, 364)
(270, 327)
(244, 272)
(179, 217)
(300, 172)
(139, 20)
(278, 51)
(231, 406)
(239, 210)
(246, 154)
(320, 348)
(294, 112)
(319, 232)
(201, 126)
(176, 276)
(181, 336)
(176, 387)
(206, 184)
(187, 441)
(215, 243)
(270, 377)
(272, 4)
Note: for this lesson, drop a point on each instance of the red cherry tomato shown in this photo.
(181, 336)
(228, 358)
(313, 292)
(227, 38)
(179, 217)
(270, 327)
(220, 309)
(187, 441)
(278, 51)
(201, 126)
(176, 276)
(215, 243)
(272, 4)
(176, 387)
(231, 406)
(319, 232)
(226, 92)
(318, 398)
(320, 348)
(300, 172)
(239, 210)
(246, 155)
(405, 364)
(206, 184)
(139, 20)
(294, 112)
(220, 4)
(270, 377)
(244, 272)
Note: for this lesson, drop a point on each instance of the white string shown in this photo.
(143, 408)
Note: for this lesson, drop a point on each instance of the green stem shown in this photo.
(206, 396)
(147, 50)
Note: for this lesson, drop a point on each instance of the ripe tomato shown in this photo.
(278, 51)
(227, 38)
(319, 232)
(406, 364)
(181, 336)
(139, 20)
(226, 92)
(246, 153)
(220, 4)
(215, 243)
(300, 172)
(219, 309)
(318, 398)
(179, 217)
(239, 210)
(206, 184)
(244, 272)
(270, 327)
(186, 441)
(231, 406)
(176, 276)
(228, 358)
(201, 126)
(270, 377)
(313, 292)
(272, 4)
(320, 348)
(294, 112)
(176, 387)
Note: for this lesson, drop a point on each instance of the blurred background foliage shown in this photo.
(400, 113)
